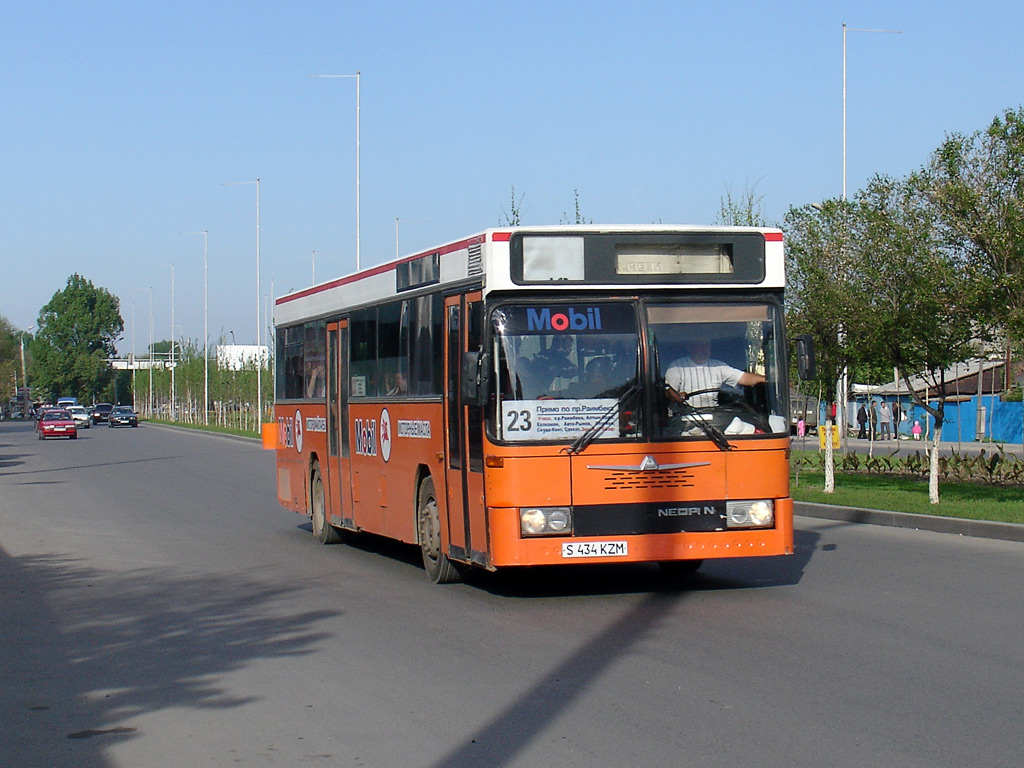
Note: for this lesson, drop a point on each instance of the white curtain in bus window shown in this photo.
(552, 259)
(673, 259)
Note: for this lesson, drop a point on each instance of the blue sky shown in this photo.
(122, 122)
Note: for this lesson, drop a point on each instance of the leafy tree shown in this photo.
(76, 334)
(513, 218)
(821, 267)
(976, 183)
(10, 358)
(579, 219)
(747, 211)
(914, 302)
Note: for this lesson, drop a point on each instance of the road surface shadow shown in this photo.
(85, 652)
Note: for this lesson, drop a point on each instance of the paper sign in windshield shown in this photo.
(558, 419)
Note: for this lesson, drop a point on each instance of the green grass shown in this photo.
(905, 494)
(204, 428)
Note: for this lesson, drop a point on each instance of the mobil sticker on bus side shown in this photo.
(291, 430)
(369, 433)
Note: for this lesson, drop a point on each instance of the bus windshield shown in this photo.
(562, 367)
(717, 367)
(565, 370)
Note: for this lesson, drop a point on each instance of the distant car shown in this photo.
(80, 416)
(123, 416)
(55, 422)
(65, 402)
(101, 412)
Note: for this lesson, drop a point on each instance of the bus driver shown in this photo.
(698, 371)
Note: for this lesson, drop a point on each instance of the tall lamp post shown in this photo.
(149, 396)
(356, 76)
(173, 408)
(397, 220)
(259, 300)
(24, 372)
(843, 383)
(206, 331)
(135, 405)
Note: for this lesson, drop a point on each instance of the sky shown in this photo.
(124, 125)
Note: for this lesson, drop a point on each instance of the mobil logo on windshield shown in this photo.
(567, 319)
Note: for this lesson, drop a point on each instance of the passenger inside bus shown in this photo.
(399, 385)
(556, 359)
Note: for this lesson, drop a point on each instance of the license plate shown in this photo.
(595, 549)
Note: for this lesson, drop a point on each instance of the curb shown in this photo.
(225, 435)
(982, 529)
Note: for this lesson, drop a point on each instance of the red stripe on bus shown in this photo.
(773, 237)
(443, 250)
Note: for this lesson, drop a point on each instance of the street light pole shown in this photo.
(357, 78)
(843, 383)
(149, 397)
(845, 30)
(135, 404)
(24, 373)
(397, 220)
(171, 357)
(259, 300)
(206, 331)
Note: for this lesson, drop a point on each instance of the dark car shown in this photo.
(123, 416)
(101, 412)
(56, 422)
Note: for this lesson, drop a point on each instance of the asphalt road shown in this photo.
(160, 609)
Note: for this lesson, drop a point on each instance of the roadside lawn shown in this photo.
(1002, 504)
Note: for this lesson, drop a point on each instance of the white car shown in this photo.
(81, 416)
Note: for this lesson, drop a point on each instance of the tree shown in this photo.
(76, 333)
(915, 301)
(820, 269)
(10, 358)
(976, 184)
(579, 219)
(748, 211)
(513, 218)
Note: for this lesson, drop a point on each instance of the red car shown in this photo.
(56, 422)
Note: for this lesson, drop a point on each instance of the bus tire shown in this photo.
(439, 568)
(323, 531)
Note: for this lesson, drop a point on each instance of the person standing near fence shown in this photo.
(884, 421)
(862, 420)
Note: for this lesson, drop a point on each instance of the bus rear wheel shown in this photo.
(323, 531)
(439, 568)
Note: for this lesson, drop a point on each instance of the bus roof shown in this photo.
(487, 258)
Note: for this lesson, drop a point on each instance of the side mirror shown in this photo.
(805, 357)
(476, 376)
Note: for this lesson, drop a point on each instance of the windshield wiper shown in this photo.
(602, 422)
(714, 434)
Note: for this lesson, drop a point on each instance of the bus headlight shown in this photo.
(759, 513)
(545, 521)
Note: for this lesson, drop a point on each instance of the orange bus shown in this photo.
(545, 396)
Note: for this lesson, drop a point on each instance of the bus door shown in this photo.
(464, 451)
(338, 475)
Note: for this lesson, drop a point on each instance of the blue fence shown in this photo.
(1003, 422)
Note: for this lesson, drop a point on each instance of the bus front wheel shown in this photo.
(439, 568)
(323, 531)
